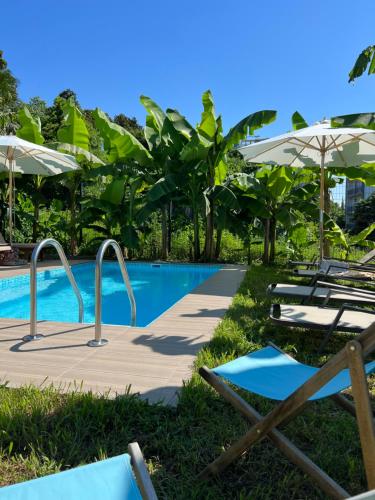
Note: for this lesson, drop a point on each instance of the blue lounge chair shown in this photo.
(274, 374)
(124, 477)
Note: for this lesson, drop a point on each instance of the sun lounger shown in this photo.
(348, 318)
(339, 270)
(366, 259)
(124, 477)
(323, 291)
(273, 374)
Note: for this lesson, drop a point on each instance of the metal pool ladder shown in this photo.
(98, 341)
(33, 289)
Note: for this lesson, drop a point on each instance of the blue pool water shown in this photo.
(156, 288)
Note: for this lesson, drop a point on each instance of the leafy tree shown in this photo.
(9, 101)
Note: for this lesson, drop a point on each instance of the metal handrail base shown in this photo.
(33, 291)
(98, 341)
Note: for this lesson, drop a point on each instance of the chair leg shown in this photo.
(326, 483)
(363, 409)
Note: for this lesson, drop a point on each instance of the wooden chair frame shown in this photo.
(351, 356)
(141, 473)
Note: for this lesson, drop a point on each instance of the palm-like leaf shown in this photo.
(30, 127)
(118, 142)
(73, 129)
(247, 126)
(298, 121)
(365, 58)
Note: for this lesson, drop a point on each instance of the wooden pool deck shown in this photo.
(153, 361)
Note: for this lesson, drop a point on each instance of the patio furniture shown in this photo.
(124, 477)
(349, 318)
(271, 373)
(339, 270)
(365, 259)
(322, 291)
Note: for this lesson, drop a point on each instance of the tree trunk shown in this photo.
(272, 237)
(170, 211)
(80, 210)
(164, 232)
(219, 234)
(36, 221)
(209, 243)
(196, 232)
(327, 209)
(266, 257)
(73, 232)
(196, 238)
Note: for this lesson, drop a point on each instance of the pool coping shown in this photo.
(154, 359)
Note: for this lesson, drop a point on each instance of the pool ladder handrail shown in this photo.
(98, 341)
(33, 287)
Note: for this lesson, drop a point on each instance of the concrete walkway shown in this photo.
(152, 361)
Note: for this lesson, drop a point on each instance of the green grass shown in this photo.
(44, 431)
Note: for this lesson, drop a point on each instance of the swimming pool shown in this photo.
(156, 288)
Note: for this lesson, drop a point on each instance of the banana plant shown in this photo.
(166, 133)
(30, 130)
(209, 146)
(73, 138)
(275, 195)
(345, 240)
(116, 213)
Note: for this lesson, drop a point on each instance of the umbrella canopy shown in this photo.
(318, 145)
(20, 156)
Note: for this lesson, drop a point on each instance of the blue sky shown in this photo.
(283, 55)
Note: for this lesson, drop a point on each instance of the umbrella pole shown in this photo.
(10, 159)
(321, 211)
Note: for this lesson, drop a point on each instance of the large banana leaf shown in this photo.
(114, 192)
(73, 129)
(362, 120)
(208, 125)
(365, 173)
(154, 110)
(365, 58)
(76, 151)
(30, 127)
(180, 123)
(118, 142)
(163, 187)
(280, 181)
(298, 121)
(196, 149)
(247, 126)
(360, 237)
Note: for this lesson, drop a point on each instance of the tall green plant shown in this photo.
(209, 147)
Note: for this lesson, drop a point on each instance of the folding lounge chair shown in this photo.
(124, 477)
(349, 318)
(339, 270)
(366, 259)
(273, 374)
(323, 291)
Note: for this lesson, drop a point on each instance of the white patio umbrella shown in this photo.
(318, 145)
(20, 156)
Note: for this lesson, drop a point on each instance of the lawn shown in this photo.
(43, 431)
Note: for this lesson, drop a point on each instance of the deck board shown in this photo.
(154, 360)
